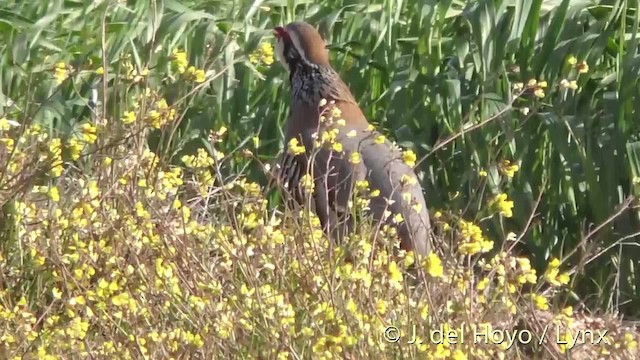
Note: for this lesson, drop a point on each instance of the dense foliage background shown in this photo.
(534, 99)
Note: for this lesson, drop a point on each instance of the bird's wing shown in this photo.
(336, 89)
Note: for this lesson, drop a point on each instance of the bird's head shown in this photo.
(300, 44)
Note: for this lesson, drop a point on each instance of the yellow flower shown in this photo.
(128, 117)
(442, 352)
(336, 112)
(553, 276)
(572, 60)
(564, 278)
(100, 71)
(179, 60)
(406, 179)
(433, 265)
(508, 168)
(502, 205)
(55, 150)
(264, 54)
(394, 273)
(200, 76)
(630, 342)
(197, 75)
(54, 195)
(60, 72)
(75, 148)
(89, 133)
(329, 137)
(473, 241)
(459, 355)
(482, 284)
(4, 124)
(306, 182)
(57, 294)
(482, 173)
(409, 157)
(294, 147)
(565, 339)
(540, 302)
(355, 158)
(583, 67)
(398, 218)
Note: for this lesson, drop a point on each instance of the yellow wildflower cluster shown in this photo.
(329, 139)
(532, 86)
(507, 168)
(6, 124)
(129, 257)
(55, 157)
(433, 265)
(553, 275)
(294, 148)
(160, 115)
(179, 60)
(472, 239)
(180, 63)
(355, 157)
(331, 124)
(566, 84)
(362, 196)
(61, 71)
(501, 205)
(86, 135)
(196, 75)
(264, 54)
(201, 164)
(581, 66)
(130, 71)
(128, 117)
(22, 156)
(409, 157)
(307, 183)
(158, 112)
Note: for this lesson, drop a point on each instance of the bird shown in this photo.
(356, 152)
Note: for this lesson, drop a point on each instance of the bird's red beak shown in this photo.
(279, 32)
